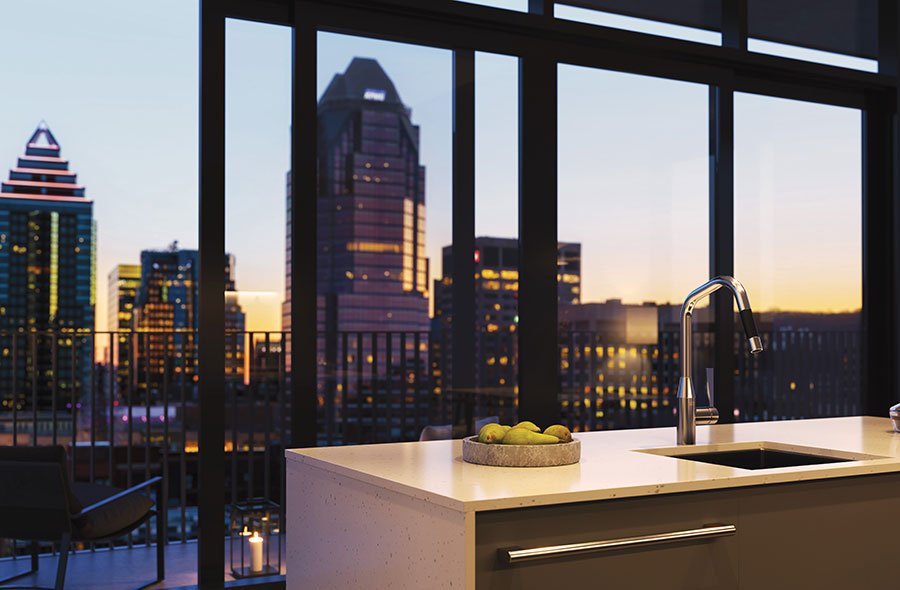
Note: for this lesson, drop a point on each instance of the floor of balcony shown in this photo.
(120, 569)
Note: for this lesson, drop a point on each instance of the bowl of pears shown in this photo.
(522, 445)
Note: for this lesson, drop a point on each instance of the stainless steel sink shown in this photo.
(760, 458)
(759, 455)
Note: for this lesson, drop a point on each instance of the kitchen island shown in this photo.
(415, 515)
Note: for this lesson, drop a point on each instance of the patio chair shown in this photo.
(37, 503)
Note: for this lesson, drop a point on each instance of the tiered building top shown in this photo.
(41, 173)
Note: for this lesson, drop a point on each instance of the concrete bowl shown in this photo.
(500, 455)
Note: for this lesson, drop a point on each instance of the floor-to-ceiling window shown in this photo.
(798, 250)
(634, 241)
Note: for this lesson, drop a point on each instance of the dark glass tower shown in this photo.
(372, 270)
(372, 273)
(47, 279)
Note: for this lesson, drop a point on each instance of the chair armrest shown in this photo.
(122, 494)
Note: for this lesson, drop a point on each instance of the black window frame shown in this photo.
(541, 43)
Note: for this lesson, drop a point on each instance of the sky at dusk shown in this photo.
(117, 84)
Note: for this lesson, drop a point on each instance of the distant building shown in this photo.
(235, 326)
(166, 321)
(568, 277)
(47, 276)
(372, 269)
(123, 282)
(496, 304)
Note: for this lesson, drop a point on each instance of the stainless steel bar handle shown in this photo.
(513, 555)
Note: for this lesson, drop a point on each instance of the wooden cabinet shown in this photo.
(824, 534)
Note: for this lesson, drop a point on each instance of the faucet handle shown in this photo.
(710, 385)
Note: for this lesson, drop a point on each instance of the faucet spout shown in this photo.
(688, 413)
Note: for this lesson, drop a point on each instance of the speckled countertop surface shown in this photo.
(614, 464)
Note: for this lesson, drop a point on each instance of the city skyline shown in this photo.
(161, 88)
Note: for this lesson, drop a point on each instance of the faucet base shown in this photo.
(687, 404)
(689, 415)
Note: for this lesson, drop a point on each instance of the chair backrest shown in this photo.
(36, 501)
(445, 431)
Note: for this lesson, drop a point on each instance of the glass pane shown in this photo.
(672, 19)
(798, 251)
(813, 55)
(517, 5)
(256, 397)
(633, 197)
(496, 231)
(384, 215)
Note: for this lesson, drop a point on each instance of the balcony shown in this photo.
(135, 417)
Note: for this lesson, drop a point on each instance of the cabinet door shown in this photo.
(835, 533)
(692, 564)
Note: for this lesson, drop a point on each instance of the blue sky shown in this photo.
(117, 83)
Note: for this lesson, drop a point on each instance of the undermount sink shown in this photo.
(759, 455)
(760, 458)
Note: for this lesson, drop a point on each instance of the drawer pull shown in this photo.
(515, 555)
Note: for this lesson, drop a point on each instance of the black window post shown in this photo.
(881, 223)
(721, 208)
(463, 262)
(304, 211)
(211, 348)
(721, 241)
(879, 195)
(538, 245)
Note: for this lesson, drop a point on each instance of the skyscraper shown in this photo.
(372, 273)
(372, 269)
(47, 275)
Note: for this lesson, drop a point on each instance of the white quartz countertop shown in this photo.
(614, 464)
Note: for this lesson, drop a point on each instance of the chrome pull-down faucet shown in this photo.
(689, 415)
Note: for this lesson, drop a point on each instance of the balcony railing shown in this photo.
(804, 374)
(125, 403)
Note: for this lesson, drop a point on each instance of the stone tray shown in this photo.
(500, 455)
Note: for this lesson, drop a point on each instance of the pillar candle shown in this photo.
(256, 552)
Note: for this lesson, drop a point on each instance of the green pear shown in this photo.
(529, 425)
(523, 436)
(560, 432)
(491, 433)
(543, 439)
